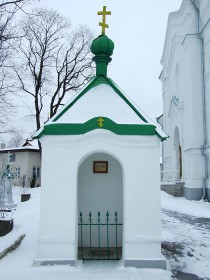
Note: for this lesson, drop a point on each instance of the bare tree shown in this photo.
(73, 66)
(16, 140)
(9, 34)
(55, 59)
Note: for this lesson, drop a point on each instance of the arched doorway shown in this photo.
(100, 208)
(178, 154)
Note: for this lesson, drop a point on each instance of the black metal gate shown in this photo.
(100, 240)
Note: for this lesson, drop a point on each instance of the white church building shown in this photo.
(100, 196)
(186, 98)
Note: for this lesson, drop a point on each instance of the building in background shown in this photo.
(25, 160)
(186, 98)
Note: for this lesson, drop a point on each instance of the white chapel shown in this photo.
(100, 197)
(186, 98)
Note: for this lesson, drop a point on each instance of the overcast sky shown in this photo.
(138, 29)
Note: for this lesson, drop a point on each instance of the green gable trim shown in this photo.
(93, 83)
(98, 80)
(107, 124)
(161, 138)
(114, 86)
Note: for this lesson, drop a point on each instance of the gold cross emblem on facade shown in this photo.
(103, 24)
(100, 121)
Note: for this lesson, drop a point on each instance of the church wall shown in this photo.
(166, 107)
(193, 129)
(173, 112)
(180, 23)
(207, 71)
(205, 25)
(188, 117)
(193, 95)
(204, 6)
(207, 48)
(139, 158)
(207, 55)
(165, 153)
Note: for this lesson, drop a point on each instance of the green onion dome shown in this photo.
(102, 45)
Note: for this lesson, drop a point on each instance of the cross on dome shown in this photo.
(103, 24)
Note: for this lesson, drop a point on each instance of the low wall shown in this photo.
(174, 189)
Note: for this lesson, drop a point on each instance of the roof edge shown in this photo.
(97, 123)
(95, 81)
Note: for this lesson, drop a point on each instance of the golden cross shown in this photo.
(100, 121)
(103, 24)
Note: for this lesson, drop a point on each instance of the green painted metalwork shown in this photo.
(81, 237)
(116, 223)
(90, 223)
(100, 252)
(107, 230)
(99, 234)
(102, 47)
(92, 124)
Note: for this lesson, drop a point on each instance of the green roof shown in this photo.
(54, 128)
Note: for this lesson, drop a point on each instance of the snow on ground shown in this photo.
(180, 204)
(187, 242)
(186, 235)
(178, 228)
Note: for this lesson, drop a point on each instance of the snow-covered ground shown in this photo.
(186, 235)
(191, 252)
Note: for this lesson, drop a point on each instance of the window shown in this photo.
(12, 158)
(17, 172)
(36, 172)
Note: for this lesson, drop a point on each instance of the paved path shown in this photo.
(186, 245)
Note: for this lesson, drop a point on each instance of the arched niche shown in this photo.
(100, 191)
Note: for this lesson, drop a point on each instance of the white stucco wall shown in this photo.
(205, 8)
(61, 159)
(182, 49)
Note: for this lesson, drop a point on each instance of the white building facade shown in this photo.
(100, 155)
(186, 98)
(24, 161)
